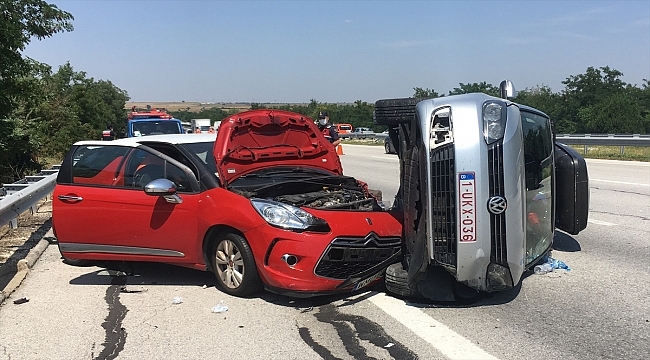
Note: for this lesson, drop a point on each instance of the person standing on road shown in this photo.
(327, 129)
(108, 134)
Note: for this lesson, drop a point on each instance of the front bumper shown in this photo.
(359, 246)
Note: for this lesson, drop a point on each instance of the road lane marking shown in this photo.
(619, 182)
(598, 222)
(445, 340)
(387, 157)
(619, 162)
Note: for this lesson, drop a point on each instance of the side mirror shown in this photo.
(164, 188)
(507, 90)
(160, 187)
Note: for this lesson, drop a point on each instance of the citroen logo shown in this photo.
(497, 204)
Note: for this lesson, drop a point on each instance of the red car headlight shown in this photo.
(288, 217)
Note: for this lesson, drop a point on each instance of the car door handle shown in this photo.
(70, 198)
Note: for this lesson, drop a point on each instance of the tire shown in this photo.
(395, 111)
(77, 262)
(234, 266)
(396, 281)
(387, 146)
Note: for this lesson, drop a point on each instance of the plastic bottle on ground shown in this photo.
(543, 269)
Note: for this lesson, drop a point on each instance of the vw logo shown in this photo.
(497, 205)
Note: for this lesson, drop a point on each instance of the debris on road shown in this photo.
(21, 301)
(221, 308)
(389, 345)
(177, 300)
(549, 264)
(132, 289)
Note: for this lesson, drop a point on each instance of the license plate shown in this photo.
(466, 207)
(366, 281)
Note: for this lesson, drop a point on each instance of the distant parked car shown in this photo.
(363, 130)
(343, 128)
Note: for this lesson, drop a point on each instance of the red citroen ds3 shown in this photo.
(265, 204)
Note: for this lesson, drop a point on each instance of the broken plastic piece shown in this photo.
(21, 301)
(177, 300)
(132, 289)
(221, 308)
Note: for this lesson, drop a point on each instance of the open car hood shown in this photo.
(260, 139)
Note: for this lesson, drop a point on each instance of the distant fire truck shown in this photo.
(152, 122)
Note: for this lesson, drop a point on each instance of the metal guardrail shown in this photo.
(569, 139)
(23, 195)
(605, 139)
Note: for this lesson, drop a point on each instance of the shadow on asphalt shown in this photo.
(565, 242)
(141, 273)
(152, 274)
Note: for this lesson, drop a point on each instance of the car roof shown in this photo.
(169, 139)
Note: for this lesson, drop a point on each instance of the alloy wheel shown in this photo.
(229, 264)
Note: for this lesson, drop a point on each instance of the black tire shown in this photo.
(387, 146)
(395, 111)
(77, 262)
(396, 281)
(234, 266)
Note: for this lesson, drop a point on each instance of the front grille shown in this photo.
(349, 256)
(499, 254)
(443, 205)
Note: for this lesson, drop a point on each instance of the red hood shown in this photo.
(260, 139)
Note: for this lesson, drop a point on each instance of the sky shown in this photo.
(343, 51)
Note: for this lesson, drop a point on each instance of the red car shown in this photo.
(266, 204)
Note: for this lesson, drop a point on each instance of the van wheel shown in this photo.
(396, 281)
(395, 111)
(234, 266)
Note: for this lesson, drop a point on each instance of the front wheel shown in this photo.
(234, 266)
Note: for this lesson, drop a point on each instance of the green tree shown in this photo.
(617, 113)
(586, 90)
(20, 21)
(482, 87)
(425, 93)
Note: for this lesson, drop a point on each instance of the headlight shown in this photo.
(287, 216)
(494, 121)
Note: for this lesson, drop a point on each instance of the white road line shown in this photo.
(388, 157)
(598, 222)
(445, 340)
(619, 162)
(619, 182)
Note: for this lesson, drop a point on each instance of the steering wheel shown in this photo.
(146, 174)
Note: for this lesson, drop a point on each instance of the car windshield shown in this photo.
(202, 152)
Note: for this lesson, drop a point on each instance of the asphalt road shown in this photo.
(597, 310)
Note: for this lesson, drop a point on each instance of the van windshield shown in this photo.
(538, 156)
